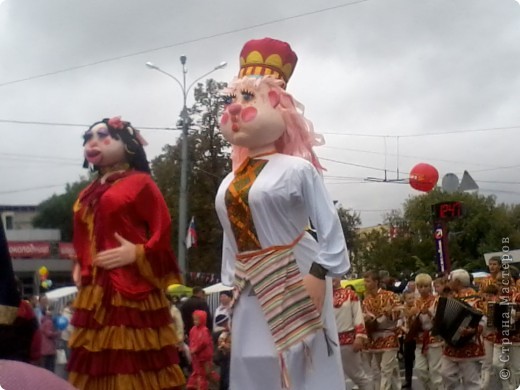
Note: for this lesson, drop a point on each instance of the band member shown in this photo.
(381, 310)
(494, 265)
(407, 339)
(460, 366)
(352, 333)
(506, 353)
(439, 284)
(515, 334)
(489, 296)
(284, 332)
(428, 351)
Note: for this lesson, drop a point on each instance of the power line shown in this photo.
(189, 41)
(501, 191)
(401, 155)
(40, 123)
(497, 182)
(21, 122)
(425, 134)
(354, 164)
(497, 168)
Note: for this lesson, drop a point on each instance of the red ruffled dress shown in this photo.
(123, 338)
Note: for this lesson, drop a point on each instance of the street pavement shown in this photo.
(416, 384)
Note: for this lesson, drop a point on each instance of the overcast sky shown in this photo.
(408, 68)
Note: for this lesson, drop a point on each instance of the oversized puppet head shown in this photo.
(259, 115)
(111, 142)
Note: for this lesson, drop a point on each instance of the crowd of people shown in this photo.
(389, 323)
(384, 327)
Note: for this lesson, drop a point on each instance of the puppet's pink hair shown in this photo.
(298, 138)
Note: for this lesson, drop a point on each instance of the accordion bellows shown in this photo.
(451, 318)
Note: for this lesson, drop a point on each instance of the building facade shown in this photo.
(31, 249)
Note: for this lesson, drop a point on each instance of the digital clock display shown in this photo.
(448, 210)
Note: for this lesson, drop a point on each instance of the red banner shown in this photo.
(29, 250)
(66, 250)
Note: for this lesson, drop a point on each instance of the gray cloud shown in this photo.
(378, 67)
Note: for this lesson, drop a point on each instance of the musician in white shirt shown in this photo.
(381, 310)
(461, 366)
(351, 333)
(428, 351)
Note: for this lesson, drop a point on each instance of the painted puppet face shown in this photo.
(251, 118)
(101, 149)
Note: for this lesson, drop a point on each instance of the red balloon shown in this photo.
(423, 177)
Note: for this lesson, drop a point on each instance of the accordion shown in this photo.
(501, 316)
(451, 318)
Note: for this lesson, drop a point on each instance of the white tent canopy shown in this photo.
(59, 297)
(217, 288)
(62, 292)
(514, 255)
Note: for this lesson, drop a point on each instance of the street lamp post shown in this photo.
(183, 188)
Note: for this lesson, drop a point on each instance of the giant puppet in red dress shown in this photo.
(123, 338)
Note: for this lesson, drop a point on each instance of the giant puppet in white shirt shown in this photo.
(283, 330)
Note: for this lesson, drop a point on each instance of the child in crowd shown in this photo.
(49, 337)
(223, 354)
(201, 350)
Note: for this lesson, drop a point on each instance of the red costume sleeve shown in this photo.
(155, 259)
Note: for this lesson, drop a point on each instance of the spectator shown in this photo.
(49, 336)
(174, 300)
(195, 302)
(201, 350)
(177, 319)
(224, 308)
(223, 354)
(65, 334)
(41, 308)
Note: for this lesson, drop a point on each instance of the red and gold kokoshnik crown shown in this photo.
(267, 57)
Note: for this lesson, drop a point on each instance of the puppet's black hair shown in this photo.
(134, 150)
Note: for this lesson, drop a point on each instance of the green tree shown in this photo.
(56, 212)
(350, 222)
(208, 154)
(412, 247)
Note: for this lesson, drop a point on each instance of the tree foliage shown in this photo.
(350, 222)
(208, 154)
(410, 245)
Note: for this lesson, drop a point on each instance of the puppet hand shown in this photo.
(117, 257)
(316, 289)
(76, 274)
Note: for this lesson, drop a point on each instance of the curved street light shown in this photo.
(183, 201)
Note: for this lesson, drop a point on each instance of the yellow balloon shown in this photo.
(43, 271)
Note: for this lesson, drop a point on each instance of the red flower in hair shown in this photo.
(116, 123)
